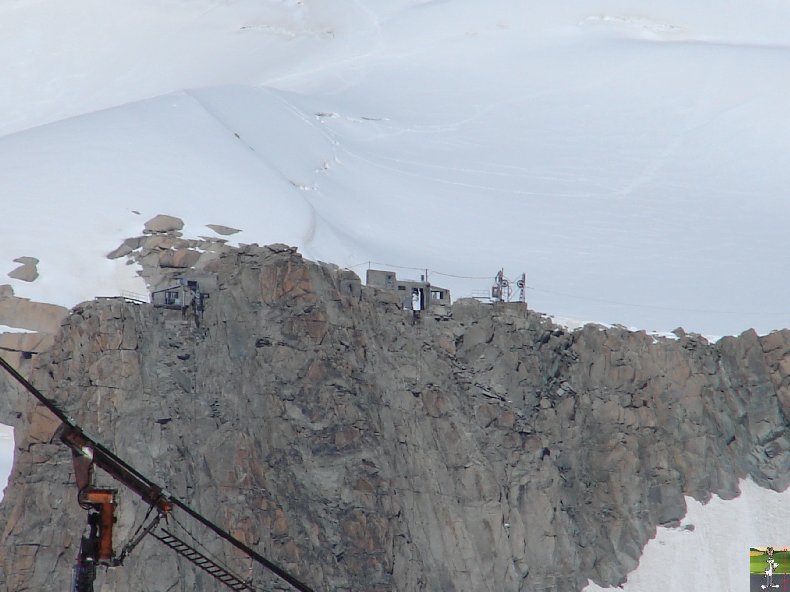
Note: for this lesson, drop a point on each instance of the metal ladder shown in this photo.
(197, 558)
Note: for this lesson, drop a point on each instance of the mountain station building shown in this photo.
(417, 295)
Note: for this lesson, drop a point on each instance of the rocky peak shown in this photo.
(479, 448)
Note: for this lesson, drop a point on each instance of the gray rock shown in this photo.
(223, 230)
(121, 251)
(179, 258)
(27, 272)
(484, 449)
(163, 223)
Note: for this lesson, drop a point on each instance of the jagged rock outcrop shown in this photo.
(480, 448)
(163, 254)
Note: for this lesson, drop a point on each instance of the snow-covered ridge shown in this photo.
(636, 183)
(200, 147)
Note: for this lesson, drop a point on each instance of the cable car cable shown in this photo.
(152, 493)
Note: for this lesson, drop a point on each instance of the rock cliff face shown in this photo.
(480, 448)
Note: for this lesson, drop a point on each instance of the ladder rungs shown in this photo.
(197, 558)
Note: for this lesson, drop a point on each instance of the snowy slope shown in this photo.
(67, 59)
(92, 172)
(6, 455)
(713, 554)
(632, 158)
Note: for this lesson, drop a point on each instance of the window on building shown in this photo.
(172, 298)
(437, 295)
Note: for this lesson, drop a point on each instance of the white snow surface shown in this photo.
(8, 329)
(632, 157)
(6, 455)
(715, 554)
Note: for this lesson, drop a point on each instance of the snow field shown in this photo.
(715, 554)
(6, 455)
(632, 160)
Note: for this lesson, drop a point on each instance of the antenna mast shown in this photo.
(502, 291)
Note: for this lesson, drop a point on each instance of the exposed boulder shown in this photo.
(179, 258)
(27, 272)
(163, 223)
(223, 230)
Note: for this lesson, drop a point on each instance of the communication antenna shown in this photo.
(502, 291)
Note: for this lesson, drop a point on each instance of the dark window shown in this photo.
(172, 298)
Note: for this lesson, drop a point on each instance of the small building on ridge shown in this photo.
(417, 295)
